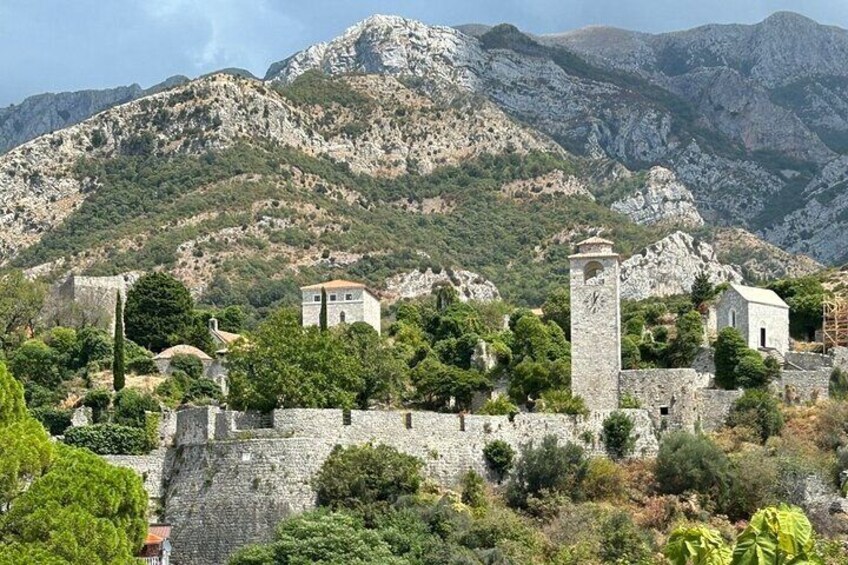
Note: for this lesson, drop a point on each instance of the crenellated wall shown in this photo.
(230, 477)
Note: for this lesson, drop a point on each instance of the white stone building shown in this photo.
(758, 313)
(347, 302)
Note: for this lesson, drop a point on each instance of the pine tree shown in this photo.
(118, 366)
(322, 317)
(702, 289)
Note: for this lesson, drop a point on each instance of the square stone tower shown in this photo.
(595, 324)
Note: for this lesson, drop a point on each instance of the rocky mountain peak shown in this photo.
(663, 199)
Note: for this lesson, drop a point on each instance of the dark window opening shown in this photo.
(462, 422)
(663, 410)
(332, 298)
(342, 317)
(348, 297)
(762, 337)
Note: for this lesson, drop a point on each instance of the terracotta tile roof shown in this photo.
(162, 531)
(226, 337)
(183, 350)
(334, 284)
(595, 240)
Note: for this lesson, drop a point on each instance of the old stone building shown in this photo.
(347, 302)
(595, 324)
(758, 313)
(89, 300)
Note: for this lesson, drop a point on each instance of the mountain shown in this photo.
(396, 154)
(748, 118)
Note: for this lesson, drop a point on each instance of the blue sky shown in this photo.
(57, 45)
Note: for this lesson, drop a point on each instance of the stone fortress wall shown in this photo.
(225, 479)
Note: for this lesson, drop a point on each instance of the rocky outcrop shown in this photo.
(556, 182)
(669, 267)
(662, 200)
(759, 260)
(469, 286)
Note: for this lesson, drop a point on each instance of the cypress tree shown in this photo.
(118, 377)
(322, 316)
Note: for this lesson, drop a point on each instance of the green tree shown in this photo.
(617, 435)
(804, 296)
(549, 469)
(446, 296)
(37, 362)
(688, 462)
(687, 340)
(189, 364)
(758, 410)
(622, 540)
(158, 311)
(498, 406)
(561, 402)
(776, 534)
(499, 456)
(729, 349)
(385, 371)
(557, 309)
(364, 476)
(436, 384)
(21, 301)
(118, 361)
(631, 357)
(322, 315)
(287, 366)
(702, 289)
(751, 370)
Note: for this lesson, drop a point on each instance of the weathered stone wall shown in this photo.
(795, 387)
(714, 406)
(669, 395)
(230, 483)
(730, 302)
(775, 320)
(95, 297)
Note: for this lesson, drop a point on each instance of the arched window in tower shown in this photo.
(341, 317)
(593, 273)
(732, 318)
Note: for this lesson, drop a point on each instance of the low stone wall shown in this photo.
(714, 406)
(808, 361)
(229, 486)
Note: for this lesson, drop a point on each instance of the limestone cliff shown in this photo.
(669, 267)
(662, 200)
(469, 286)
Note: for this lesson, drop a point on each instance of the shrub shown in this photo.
(561, 402)
(617, 435)
(549, 469)
(98, 400)
(687, 340)
(498, 406)
(37, 362)
(94, 346)
(729, 349)
(689, 462)
(758, 410)
(751, 370)
(55, 420)
(838, 386)
(202, 390)
(622, 540)
(360, 477)
(188, 364)
(630, 354)
(627, 400)
(499, 456)
(108, 439)
(142, 366)
(151, 430)
(473, 489)
(605, 480)
(130, 406)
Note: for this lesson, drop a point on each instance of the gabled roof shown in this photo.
(225, 337)
(183, 350)
(759, 295)
(333, 285)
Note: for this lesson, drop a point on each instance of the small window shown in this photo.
(342, 317)
(316, 298)
(348, 297)
(332, 298)
(663, 410)
(733, 318)
(762, 337)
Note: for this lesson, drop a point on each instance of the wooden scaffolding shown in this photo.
(835, 323)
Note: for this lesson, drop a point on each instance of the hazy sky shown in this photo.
(57, 45)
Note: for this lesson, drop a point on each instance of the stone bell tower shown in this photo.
(595, 324)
